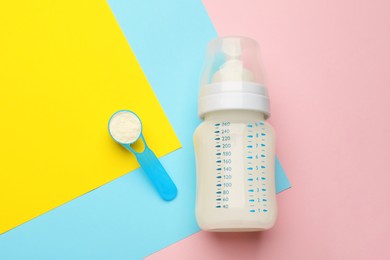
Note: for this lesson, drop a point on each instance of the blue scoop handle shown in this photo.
(155, 172)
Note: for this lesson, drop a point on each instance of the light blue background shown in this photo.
(126, 219)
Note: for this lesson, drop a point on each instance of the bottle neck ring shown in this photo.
(233, 96)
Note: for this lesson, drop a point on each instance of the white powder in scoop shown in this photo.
(125, 127)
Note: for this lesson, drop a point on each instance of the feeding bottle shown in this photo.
(234, 145)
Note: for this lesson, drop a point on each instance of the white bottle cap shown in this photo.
(232, 77)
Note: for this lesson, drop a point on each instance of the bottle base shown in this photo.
(233, 225)
(221, 230)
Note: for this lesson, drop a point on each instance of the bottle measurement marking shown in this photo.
(229, 167)
(263, 167)
(218, 154)
(229, 173)
(255, 155)
(220, 141)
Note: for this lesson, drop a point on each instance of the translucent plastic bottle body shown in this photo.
(235, 159)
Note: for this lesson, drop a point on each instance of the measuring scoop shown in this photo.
(125, 128)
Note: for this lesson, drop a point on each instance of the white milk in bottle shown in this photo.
(234, 146)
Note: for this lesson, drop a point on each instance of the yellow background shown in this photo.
(65, 67)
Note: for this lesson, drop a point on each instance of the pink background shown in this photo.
(328, 70)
